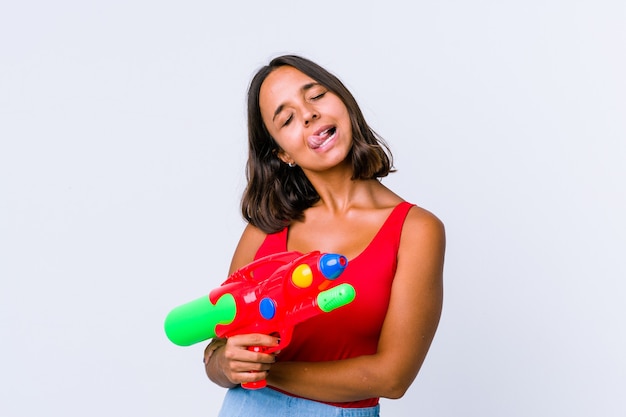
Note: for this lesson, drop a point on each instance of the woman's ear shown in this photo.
(283, 156)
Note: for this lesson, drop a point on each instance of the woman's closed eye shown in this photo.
(317, 95)
(288, 120)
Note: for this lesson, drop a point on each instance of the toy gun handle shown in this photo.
(285, 338)
(325, 302)
(262, 383)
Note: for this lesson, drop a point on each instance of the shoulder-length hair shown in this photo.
(277, 194)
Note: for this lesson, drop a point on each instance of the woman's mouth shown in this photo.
(322, 137)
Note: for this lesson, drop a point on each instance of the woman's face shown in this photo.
(310, 124)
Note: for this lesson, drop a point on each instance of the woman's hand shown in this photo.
(230, 362)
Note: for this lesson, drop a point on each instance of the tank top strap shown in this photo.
(391, 230)
(273, 243)
(400, 212)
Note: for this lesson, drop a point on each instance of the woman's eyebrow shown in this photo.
(306, 87)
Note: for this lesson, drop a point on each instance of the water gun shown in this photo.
(270, 296)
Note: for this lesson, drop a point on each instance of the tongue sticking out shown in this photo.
(316, 141)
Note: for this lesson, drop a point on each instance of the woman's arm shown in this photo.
(408, 330)
(228, 361)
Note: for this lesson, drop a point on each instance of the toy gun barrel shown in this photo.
(336, 297)
(195, 321)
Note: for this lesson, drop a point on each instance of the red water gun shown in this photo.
(270, 296)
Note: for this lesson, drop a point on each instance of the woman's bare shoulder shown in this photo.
(421, 228)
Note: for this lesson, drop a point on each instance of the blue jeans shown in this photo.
(267, 402)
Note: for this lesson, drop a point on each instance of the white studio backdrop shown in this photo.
(122, 151)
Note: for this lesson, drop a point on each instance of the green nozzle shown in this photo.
(336, 297)
(195, 321)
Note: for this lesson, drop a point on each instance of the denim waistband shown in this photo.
(267, 402)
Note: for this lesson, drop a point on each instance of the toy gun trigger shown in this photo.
(284, 338)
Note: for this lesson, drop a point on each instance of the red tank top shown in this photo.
(352, 330)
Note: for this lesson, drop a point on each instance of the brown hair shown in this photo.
(276, 194)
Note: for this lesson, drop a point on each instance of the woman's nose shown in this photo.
(309, 116)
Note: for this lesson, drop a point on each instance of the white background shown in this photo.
(123, 140)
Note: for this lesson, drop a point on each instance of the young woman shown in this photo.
(313, 184)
